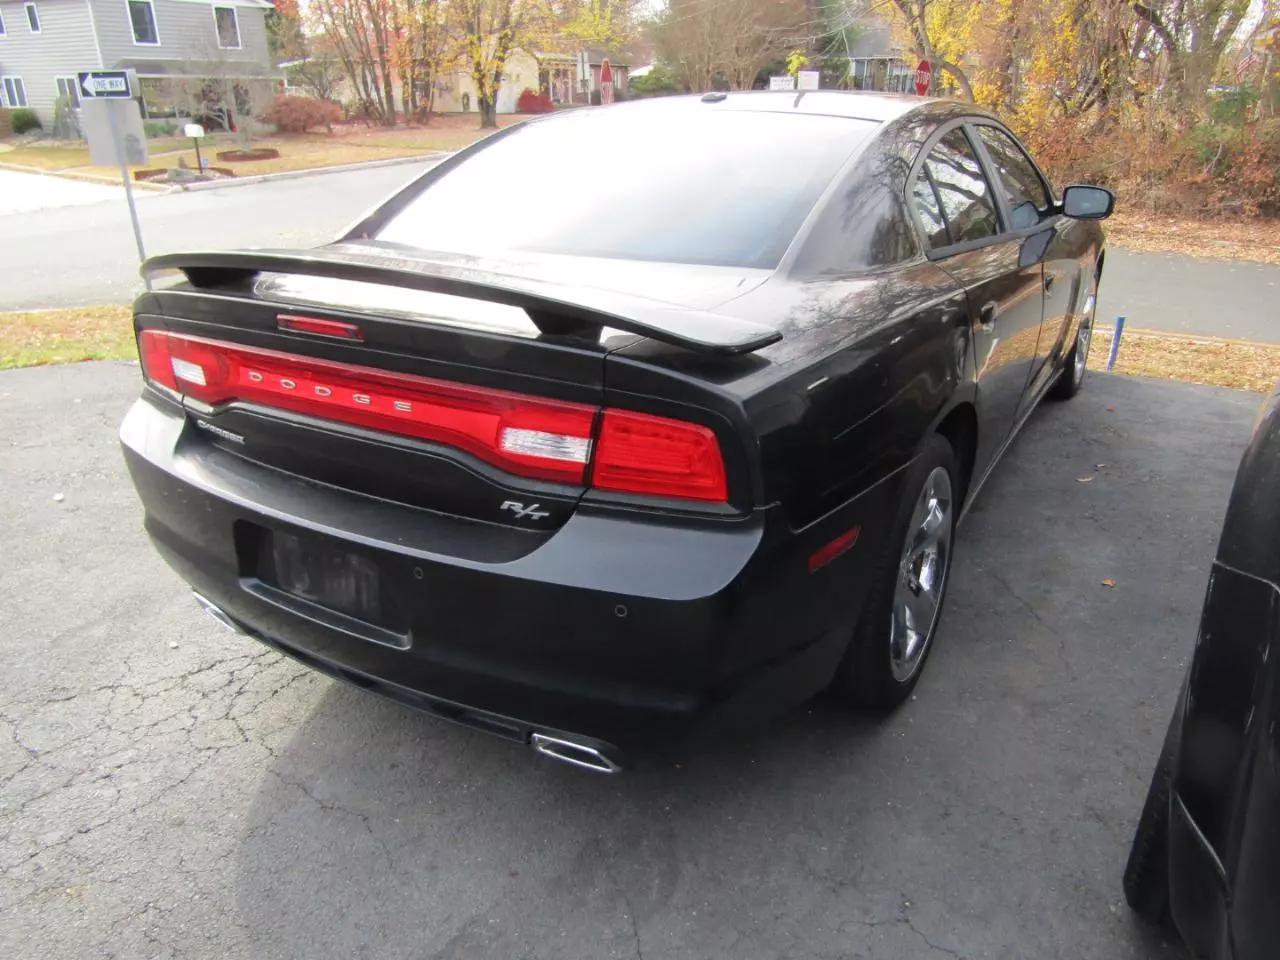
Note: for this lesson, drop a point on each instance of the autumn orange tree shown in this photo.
(606, 25)
(425, 45)
(490, 30)
(1145, 95)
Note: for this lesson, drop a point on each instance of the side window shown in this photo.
(930, 210)
(1017, 176)
(962, 192)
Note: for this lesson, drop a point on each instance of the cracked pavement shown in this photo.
(168, 789)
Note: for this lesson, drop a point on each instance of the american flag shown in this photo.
(1245, 63)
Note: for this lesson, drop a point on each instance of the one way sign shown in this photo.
(105, 83)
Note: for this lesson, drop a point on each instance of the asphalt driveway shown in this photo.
(168, 789)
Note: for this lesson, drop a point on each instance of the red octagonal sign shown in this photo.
(924, 73)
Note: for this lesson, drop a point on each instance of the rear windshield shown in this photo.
(684, 185)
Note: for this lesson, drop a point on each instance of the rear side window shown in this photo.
(930, 210)
(960, 188)
(667, 182)
(1017, 177)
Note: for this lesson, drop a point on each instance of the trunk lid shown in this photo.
(370, 327)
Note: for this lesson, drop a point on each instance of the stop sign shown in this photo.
(924, 73)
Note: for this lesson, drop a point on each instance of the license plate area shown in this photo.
(322, 579)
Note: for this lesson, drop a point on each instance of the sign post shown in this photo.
(113, 126)
(924, 78)
(584, 74)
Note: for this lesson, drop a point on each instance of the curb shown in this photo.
(1185, 335)
(84, 177)
(311, 172)
(168, 188)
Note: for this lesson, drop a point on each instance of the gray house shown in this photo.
(186, 53)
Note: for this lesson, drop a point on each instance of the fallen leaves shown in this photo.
(1257, 240)
(1109, 582)
(1223, 363)
(65, 336)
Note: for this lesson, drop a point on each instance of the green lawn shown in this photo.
(65, 336)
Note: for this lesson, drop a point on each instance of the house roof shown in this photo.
(594, 57)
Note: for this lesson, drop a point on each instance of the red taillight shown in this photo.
(153, 352)
(546, 439)
(528, 436)
(657, 456)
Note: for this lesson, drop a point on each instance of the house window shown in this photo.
(15, 93)
(1, 24)
(227, 27)
(33, 18)
(69, 88)
(142, 16)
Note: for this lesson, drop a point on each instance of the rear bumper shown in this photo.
(634, 630)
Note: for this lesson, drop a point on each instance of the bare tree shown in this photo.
(1194, 35)
(728, 41)
(362, 34)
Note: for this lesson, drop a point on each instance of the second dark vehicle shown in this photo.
(624, 424)
(1206, 853)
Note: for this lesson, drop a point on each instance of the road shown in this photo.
(28, 193)
(1168, 291)
(172, 790)
(85, 254)
(71, 256)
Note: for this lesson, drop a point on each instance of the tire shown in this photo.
(870, 675)
(1146, 874)
(1075, 364)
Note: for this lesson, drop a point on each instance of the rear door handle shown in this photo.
(987, 316)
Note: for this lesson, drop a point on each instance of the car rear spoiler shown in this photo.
(554, 308)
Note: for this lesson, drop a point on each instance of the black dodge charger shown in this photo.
(625, 426)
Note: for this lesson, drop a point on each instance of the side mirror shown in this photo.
(1083, 202)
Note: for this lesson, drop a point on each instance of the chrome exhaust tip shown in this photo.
(213, 610)
(576, 754)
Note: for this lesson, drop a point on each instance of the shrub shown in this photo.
(159, 128)
(25, 119)
(660, 81)
(1160, 162)
(530, 102)
(300, 114)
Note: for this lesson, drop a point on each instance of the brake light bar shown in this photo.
(527, 436)
(318, 325)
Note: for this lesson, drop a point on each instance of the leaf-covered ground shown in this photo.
(65, 336)
(1255, 239)
(1224, 363)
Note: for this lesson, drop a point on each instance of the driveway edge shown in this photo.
(85, 178)
(310, 172)
(164, 188)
